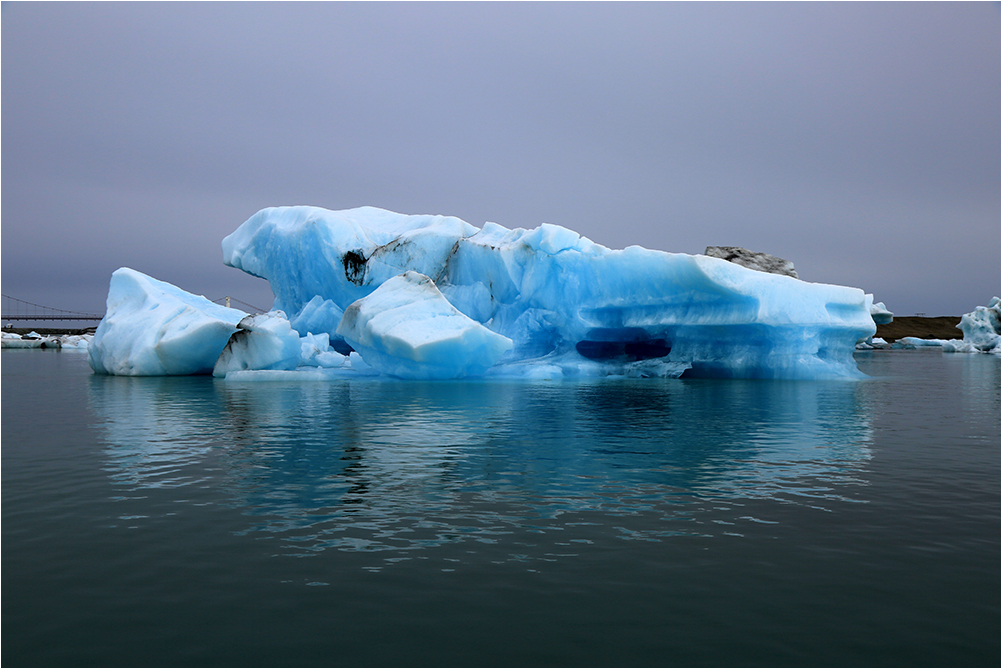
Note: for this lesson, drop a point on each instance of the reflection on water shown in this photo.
(377, 465)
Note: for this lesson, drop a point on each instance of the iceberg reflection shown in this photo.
(388, 465)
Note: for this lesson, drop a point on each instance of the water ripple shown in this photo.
(382, 466)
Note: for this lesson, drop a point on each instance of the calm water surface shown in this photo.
(190, 521)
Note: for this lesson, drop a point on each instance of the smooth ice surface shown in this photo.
(406, 328)
(151, 327)
(570, 306)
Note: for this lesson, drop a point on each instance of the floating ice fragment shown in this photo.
(917, 343)
(151, 327)
(981, 327)
(35, 341)
(873, 343)
(880, 313)
(15, 341)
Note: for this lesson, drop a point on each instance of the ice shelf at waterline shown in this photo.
(435, 297)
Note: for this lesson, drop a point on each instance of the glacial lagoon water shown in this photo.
(191, 521)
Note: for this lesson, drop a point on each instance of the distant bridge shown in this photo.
(15, 309)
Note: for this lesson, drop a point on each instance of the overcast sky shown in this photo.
(860, 141)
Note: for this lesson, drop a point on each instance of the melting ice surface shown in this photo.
(435, 297)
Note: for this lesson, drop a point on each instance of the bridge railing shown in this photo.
(15, 309)
(226, 300)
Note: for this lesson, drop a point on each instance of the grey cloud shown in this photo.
(859, 140)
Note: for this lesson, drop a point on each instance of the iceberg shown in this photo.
(569, 306)
(981, 328)
(880, 313)
(153, 328)
(367, 291)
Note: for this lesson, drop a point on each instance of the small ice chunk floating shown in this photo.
(429, 297)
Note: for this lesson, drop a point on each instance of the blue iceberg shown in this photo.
(367, 291)
(569, 306)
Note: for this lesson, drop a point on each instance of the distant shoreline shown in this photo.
(925, 327)
(50, 331)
